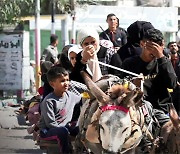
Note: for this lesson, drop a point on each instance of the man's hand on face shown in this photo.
(155, 49)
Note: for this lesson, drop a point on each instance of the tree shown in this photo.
(12, 10)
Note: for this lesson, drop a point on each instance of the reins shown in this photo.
(114, 107)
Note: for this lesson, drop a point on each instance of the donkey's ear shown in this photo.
(94, 89)
(128, 100)
(131, 98)
(174, 116)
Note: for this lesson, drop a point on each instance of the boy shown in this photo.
(57, 109)
(158, 75)
(157, 69)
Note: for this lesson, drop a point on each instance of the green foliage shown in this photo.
(12, 10)
(61, 6)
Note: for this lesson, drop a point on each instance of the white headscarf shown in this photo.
(92, 67)
(75, 49)
(86, 32)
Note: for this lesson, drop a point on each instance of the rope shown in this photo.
(116, 68)
(122, 70)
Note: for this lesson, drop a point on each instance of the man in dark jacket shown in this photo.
(158, 72)
(114, 33)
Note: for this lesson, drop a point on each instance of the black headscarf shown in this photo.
(135, 33)
(137, 30)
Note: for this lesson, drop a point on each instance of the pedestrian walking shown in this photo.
(50, 52)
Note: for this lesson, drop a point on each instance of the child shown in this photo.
(57, 109)
(45, 66)
(72, 54)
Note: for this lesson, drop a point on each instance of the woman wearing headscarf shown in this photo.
(135, 33)
(92, 52)
(67, 57)
(72, 54)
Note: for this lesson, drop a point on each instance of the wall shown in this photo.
(45, 35)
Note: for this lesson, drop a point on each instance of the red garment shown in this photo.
(41, 90)
(113, 35)
(174, 61)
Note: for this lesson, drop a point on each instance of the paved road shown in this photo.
(13, 135)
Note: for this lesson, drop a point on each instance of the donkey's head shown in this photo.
(114, 120)
(170, 134)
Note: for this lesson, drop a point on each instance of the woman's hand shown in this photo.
(88, 52)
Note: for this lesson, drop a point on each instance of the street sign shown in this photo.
(14, 61)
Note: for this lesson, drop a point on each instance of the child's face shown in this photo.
(60, 85)
(72, 56)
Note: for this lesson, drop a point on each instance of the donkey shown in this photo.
(110, 123)
(169, 140)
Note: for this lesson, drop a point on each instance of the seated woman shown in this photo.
(88, 38)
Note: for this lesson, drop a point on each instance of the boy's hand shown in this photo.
(155, 49)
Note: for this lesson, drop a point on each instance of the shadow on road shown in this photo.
(30, 151)
(21, 120)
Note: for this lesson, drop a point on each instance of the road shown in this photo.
(13, 134)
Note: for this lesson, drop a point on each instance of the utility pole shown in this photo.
(64, 31)
(173, 34)
(37, 43)
(73, 15)
(52, 17)
(73, 33)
